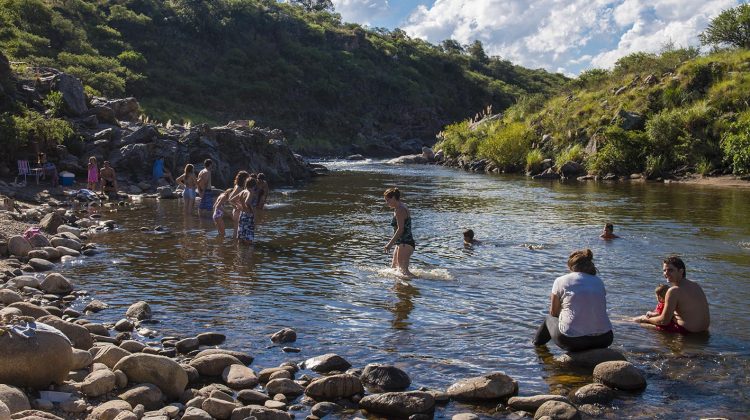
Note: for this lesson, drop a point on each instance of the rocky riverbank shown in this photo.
(128, 370)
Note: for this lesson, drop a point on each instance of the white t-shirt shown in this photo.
(584, 305)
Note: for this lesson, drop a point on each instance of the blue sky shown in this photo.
(566, 36)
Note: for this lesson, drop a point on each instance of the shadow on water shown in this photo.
(318, 266)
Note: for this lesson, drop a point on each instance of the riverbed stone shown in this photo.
(334, 387)
(132, 346)
(29, 309)
(284, 386)
(78, 335)
(98, 330)
(211, 338)
(589, 358)
(532, 403)
(19, 282)
(245, 358)
(124, 325)
(66, 242)
(186, 345)
(20, 358)
(4, 411)
(213, 364)
(56, 283)
(398, 404)
(69, 252)
(110, 355)
(558, 410)
(38, 254)
(69, 229)
(250, 396)
(195, 413)
(465, 416)
(259, 413)
(327, 363)
(285, 335)
(492, 386)
(619, 374)
(593, 394)
(8, 296)
(267, 374)
(95, 306)
(39, 241)
(147, 394)
(384, 377)
(13, 398)
(81, 359)
(325, 408)
(218, 408)
(39, 264)
(110, 409)
(239, 377)
(52, 253)
(19, 246)
(98, 382)
(280, 374)
(139, 310)
(161, 371)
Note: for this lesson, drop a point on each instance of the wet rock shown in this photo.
(139, 310)
(56, 283)
(239, 377)
(286, 335)
(492, 386)
(161, 371)
(98, 382)
(325, 408)
(78, 335)
(245, 358)
(593, 394)
(219, 409)
(213, 339)
(187, 345)
(284, 386)
(589, 358)
(19, 246)
(385, 377)
(51, 221)
(213, 364)
(249, 396)
(39, 264)
(572, 169)
(13, 398)
(97, 329)
(267, 374)
(620, 375)
(149, 395)
(331, 388)
(110, 355)
(327, 363)
(195, 413)
(95, 306)
(557, 410)
(124, 325)
(291, 349)
(531, 404)
(260, 413)
(20, 356)
(66, 242)
(398, 404)
(81, 359)
(110, 409)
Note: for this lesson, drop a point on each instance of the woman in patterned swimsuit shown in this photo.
(402, 234)
(246, 233)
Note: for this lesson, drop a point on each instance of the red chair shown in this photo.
(25, 170)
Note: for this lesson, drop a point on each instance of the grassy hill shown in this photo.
(327, 84)
(656, 114)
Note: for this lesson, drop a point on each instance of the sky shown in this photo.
(565, 36)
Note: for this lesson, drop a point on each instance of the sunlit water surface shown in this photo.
(319, 267)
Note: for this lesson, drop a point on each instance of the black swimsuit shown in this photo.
(406, 236)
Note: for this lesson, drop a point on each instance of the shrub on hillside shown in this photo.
(736, 145)
(623, 152)
(534, 161)
(574, 153)
(507, 145)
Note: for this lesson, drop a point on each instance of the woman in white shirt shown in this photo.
(577, 317)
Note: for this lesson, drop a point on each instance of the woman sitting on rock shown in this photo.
(577, 317)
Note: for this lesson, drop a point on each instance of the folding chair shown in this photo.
(25, 170)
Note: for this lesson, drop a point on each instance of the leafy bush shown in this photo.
(623, 152)
(573, 153)
(736, 145)
(534, 161)
(54, 102)
(507, 145)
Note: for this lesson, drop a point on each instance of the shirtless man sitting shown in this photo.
(685, 305)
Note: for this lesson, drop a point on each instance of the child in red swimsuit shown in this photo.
(673, 326)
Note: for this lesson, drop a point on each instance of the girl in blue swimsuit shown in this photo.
(402, 233)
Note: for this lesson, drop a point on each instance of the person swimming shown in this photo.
(607, 232)
(469, 238)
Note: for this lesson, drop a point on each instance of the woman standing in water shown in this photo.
(234, 199)
(190, 182)
(402, 235)
(246, 233)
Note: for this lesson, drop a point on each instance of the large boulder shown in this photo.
(327, 363)
(620, 375)
(334, 387)
(213, 364)
(126, 109)
(74, 98)
(139, 310)
(285, 335)
(161, 371)
(56, 283)
(13, 399)
(239, 377)
(78, 335)
(51, 221)
(399, 404)
(111, 355)
(36, 361)
(492, 386)
(19, 246)
(66, 242)
(385, 377)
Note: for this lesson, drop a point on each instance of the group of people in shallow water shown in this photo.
(247, 195)
(577, 318)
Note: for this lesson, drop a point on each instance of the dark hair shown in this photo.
(609, 226)
(468, 233)
(261, 176)
(582, 261)
(250, 183)
(677, 262)
(240, 178)
(661, 290)
(207, 163)
(392, 192)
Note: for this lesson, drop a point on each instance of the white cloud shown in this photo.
(565, 35)
(361, 11)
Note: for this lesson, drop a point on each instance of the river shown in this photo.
(318, 266)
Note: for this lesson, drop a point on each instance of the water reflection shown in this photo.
(405, 293)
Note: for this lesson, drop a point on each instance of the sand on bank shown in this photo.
(717, 181)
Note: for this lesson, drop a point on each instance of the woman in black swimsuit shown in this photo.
(402, 235)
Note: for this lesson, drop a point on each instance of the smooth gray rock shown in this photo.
(327, 363)
(593, 394)
(161, 371)
(398, 404)
(334, 387)
(620, 375)
(385, 377)
(492, 386)
(558, 410)
(532, 403)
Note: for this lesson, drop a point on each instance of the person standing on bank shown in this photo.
(402, 233)
(204, 188)
(577, 317)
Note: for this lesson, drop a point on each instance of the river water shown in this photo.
(319, 267)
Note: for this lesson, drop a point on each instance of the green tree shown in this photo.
(731, 27)
(451, 46)
(315, 5)
(476, 51)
